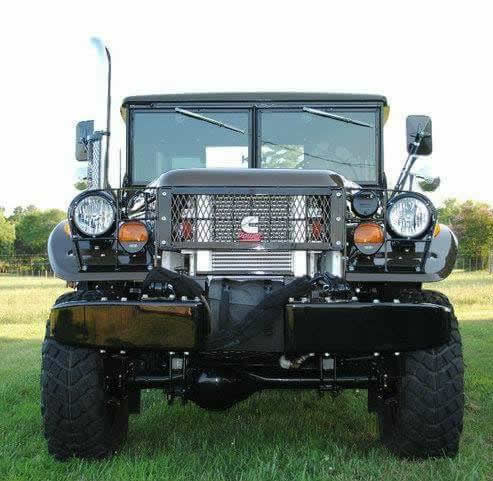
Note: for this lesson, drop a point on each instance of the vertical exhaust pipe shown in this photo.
(103, 169)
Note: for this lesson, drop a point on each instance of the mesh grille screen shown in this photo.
(266, 218)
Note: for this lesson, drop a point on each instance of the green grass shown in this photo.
(271, 436)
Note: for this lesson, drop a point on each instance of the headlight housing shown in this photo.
(409, 215)
(93, 214)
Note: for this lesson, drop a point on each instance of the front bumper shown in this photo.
(127, 325)
(365, 327)
(338, 327)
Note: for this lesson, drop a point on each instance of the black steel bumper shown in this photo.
(339, 327)
(362, 327)
(126, 325)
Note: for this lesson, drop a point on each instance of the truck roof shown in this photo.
(254, 97)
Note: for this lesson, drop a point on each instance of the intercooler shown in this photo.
(252, 262)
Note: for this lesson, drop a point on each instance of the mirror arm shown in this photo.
(408, 165)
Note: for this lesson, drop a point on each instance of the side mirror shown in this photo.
(418, 131)
(428, 184)
(83, 130)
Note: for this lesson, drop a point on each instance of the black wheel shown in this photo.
(78, 419)
(424, 419)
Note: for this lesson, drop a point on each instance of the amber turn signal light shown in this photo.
(437, 229)
(133, 235)
(66, 229)
(368, 237)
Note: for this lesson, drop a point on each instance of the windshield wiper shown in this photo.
(194, 115)
(322, 113)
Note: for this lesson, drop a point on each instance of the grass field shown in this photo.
(271, 436)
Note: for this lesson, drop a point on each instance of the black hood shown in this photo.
(249, 177)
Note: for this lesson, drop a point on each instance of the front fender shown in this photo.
(64, 262)
(438, 266)
(442, 255)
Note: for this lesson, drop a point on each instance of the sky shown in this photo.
(430, 58)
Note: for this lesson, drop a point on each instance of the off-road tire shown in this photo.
(424, 419)
(77, 416)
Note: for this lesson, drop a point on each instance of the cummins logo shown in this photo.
(249, 224)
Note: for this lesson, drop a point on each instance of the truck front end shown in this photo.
(252, 245)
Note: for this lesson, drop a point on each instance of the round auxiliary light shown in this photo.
(368, 237)
(93, 215)
(133, 236)
(365, 203)
(409, 215)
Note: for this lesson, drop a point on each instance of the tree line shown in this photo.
(25, 232)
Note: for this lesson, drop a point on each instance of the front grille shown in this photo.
(264, 262)
(261, 218)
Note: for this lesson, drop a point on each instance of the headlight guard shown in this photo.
(410, 215)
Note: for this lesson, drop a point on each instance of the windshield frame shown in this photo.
(254, 109)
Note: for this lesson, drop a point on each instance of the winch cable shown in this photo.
(183, 285)
(261, 317)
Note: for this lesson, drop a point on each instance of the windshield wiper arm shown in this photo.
(322, 113)
(194, 115)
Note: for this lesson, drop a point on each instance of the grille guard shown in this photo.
(153, 205)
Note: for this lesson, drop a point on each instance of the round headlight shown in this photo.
(409, 216)
(93, 215)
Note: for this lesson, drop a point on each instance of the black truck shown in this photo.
(253, 243)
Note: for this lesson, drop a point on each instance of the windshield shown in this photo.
(342, 140)
(164, 141)
(307, 140)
